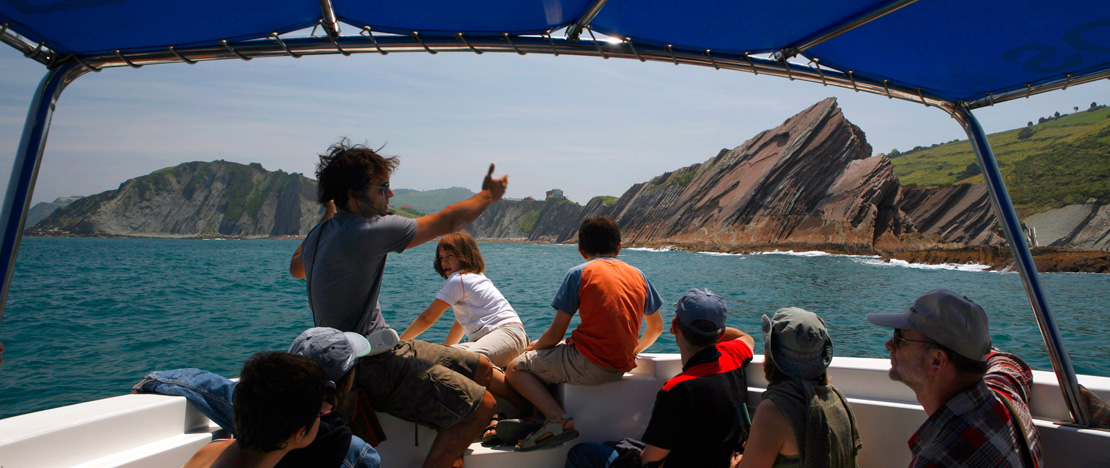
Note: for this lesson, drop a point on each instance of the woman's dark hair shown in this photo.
(599, 236)
(349, 168)
(279, 394)
(465, 248)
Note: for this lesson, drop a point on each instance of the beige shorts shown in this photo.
(500, 346)
(563, 363)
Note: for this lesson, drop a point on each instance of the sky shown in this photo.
(582, 124)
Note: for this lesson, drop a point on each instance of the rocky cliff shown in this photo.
(808, 183)
(194, 199)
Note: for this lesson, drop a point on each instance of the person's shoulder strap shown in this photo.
(1022, 440)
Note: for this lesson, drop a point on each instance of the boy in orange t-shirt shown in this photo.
(612, 298)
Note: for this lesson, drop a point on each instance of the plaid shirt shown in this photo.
(973, 428)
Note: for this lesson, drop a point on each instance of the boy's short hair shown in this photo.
(599, 236)
(278, 395)
(347, 168)
(465, 248)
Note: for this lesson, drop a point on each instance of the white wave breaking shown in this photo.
(926, 266)
(665, 248)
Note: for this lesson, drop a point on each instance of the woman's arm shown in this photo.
(770, 430)
(455, 335)
(425, 320)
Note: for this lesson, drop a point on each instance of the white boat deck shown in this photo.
(164, 431)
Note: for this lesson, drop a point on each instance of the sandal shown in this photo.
(510, 431)
(489, 436)
(551, 434)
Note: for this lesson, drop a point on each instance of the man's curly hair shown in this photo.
(346, 168)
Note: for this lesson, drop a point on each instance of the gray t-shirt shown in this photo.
(344, 259)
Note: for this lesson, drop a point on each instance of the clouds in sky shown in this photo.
(583, 124)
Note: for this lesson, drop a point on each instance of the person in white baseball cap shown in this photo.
(976, 396)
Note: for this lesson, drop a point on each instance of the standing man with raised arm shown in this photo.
(343, 260)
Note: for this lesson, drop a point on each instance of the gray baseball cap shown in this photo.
(702, 304)
(797, 342)
(948, 318)
(334, 350)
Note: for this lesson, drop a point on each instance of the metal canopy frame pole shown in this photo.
(1023, 259)
(26, 168)
(835, 30)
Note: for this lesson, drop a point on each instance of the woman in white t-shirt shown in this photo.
(492, 326)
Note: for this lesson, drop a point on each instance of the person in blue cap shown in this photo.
(697, 416)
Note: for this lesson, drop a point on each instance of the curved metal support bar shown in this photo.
(463, 39)
(416, 35)
(708, 53)
(90, 67)
(182, 57)
(575, 30)
(370, 33)
(747, 57)
(231, 49)
(125, 59)
(817, 66)
(551, 41)
(628, 40)
(1023, 259)
(328, 21)
(275, 37)
(670, 48)
(26, 168)
(509, 39)
(597, 44)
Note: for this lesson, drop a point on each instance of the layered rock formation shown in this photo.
(809, 183)
(194, 200)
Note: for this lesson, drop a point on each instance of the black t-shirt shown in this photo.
(697, 413)
(327, 450)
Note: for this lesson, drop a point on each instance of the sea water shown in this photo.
(87, 318)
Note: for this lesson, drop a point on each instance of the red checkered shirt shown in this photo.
(973, 429)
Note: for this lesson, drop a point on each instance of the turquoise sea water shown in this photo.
(87, 318)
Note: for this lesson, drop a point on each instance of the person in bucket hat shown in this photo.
(976, 396)
(803, 420)
(694, 421)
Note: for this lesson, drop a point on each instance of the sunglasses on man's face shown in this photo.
(383, 187)
(898, 339)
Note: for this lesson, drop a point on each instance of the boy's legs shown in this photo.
(534, 370)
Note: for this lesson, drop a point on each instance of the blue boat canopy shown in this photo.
(934, 51)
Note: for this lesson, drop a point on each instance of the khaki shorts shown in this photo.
(563, 363)
(501, 345)
(423, 382)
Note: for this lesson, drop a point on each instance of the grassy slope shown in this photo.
(1066, 160)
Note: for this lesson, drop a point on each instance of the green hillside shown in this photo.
(1060, 161)
(429, 201)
